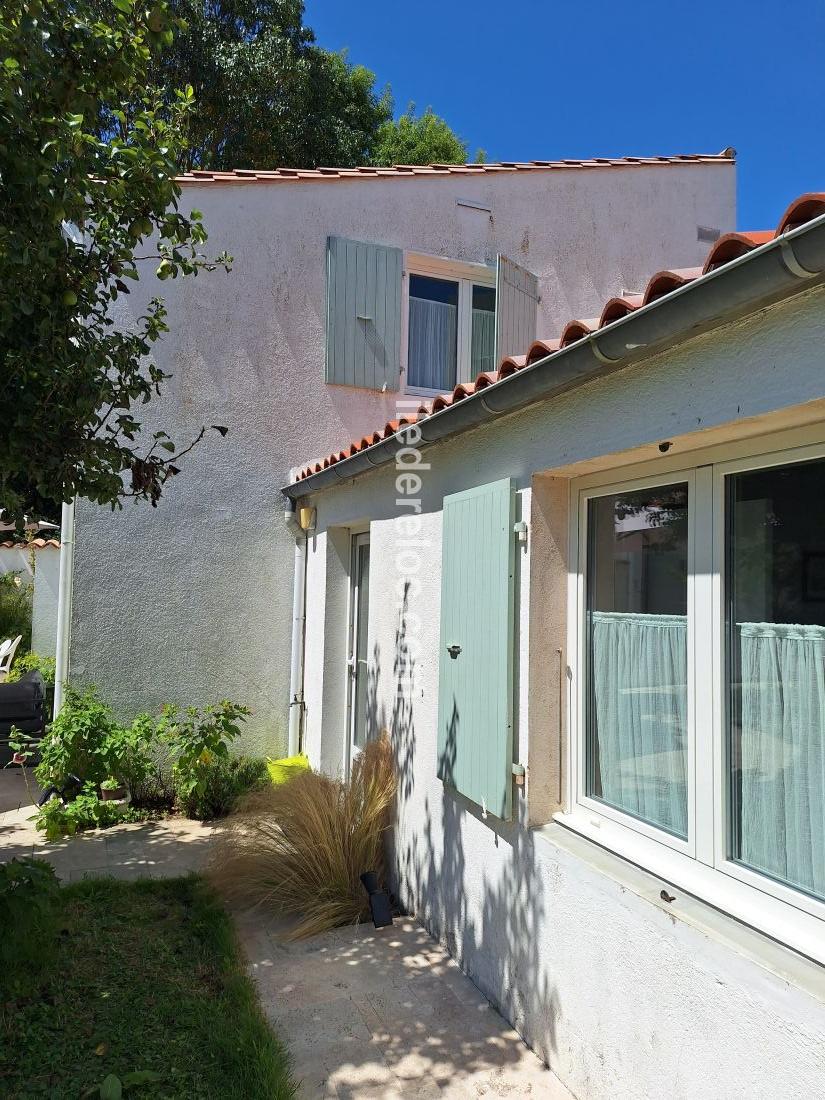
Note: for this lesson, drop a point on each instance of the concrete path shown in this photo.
(366, 1014)
(165, 848)
(386, 1013)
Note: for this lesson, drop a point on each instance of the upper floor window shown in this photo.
(451, 325)
(447, 322)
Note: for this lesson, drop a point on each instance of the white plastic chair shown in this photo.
(7, 652)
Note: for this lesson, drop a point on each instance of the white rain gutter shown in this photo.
(778, 269)
(296, 668)
(64, 603)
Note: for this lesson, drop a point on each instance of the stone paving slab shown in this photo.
(386, 1013)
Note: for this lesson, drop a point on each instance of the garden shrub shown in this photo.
(28, 888)
(301, 846)
(156, 791)
(16, 596)
(196, 738)
(74, 743)
(34, 662)
(227, 778)
(183, 754)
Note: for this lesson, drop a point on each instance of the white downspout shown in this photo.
(64, 602)
(296, 668)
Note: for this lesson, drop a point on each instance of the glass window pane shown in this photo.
(361, 724)
(433, 325)
(776, 672)
(637, 654)
(484, 330)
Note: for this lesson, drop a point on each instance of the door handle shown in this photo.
(454, 650)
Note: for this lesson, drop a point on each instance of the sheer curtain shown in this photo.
(483, 342)
(639, 679)
(783, 752)
(432, 344)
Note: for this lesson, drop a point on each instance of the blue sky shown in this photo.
(527, 80)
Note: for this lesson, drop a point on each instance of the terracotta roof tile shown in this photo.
(728, 248)
(36, 544)
(401, 171)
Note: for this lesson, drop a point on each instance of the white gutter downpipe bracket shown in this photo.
(64, 603)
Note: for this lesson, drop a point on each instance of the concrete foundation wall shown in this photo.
(624, 996)
(191, 601)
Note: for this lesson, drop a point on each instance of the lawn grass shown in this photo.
(147, 977)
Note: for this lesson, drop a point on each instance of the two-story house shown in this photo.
(353, 295)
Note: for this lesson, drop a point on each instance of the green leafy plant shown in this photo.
(113, 1087)
(156, 792)
(127, 752)
(57, 819)
(16, 595)
(77, 741)
(35, 662)
(27, 891)
(227, 779)
(195, 738)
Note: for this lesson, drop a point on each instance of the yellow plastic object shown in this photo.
(286, 768)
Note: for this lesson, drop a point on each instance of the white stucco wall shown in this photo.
(625, 997)
(192, 600)
(16, 559)
(46, 575)
(44, 606)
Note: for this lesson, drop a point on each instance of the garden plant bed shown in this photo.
(147, 975)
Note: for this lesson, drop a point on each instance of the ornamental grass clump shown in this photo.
(299, 847)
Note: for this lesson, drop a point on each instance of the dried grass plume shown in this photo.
(299, 847)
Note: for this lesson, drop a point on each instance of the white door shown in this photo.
(357, 663)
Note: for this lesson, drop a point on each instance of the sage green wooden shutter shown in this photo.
(363, 346)
(475, 691)
(517, 295)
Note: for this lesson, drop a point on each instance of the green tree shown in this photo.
(266, 95)
(88, 156)
(426, 139)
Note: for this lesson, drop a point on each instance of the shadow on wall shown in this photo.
(492, 924)
(400, 723)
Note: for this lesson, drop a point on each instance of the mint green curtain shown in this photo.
(483, 343)
(783, 752)
(639, 691)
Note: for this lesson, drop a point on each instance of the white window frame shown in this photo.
(700, 865)
(467, 275)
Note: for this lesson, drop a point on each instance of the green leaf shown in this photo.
(111, 1088)
(141, 1077)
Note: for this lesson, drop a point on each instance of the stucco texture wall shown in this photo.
(622, 996)
(42, 566)
(191, 601)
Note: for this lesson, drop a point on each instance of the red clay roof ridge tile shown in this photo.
(407, 171)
